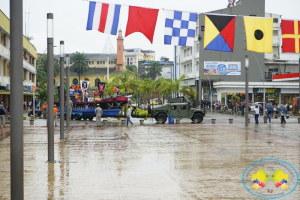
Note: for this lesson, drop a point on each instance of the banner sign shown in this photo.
(222, 68)
(267, 90)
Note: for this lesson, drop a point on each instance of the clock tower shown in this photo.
(120, 52)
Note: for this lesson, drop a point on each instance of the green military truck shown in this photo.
(178, 108)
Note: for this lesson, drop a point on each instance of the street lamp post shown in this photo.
(16, 109)
(246, 88)
(62, 93)
(67, 92)
(50, 87)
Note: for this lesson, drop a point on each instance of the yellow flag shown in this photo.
(259, 34)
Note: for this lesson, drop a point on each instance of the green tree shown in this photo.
(143, 76)
(79, 63)
(154, 69)
(176, 83)
(132, 68)
(189, 92)
(123, 80)
(41, 77)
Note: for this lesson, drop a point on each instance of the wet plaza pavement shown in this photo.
(153, 161)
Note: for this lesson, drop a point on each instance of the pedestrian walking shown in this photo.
(44, 110)
(269, 113)
(256, 114)
(282, 117)
(70, 107)
(128, 114)
(55, 110)
(99, 113)
(2, 117)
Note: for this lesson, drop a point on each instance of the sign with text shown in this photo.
(222, 68)
(266, 90)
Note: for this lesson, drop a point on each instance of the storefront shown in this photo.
(272, 94)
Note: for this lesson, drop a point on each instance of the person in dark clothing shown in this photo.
(2, 117)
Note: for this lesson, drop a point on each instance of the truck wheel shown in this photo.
(199, 117)
(77, 117)
(161, 116)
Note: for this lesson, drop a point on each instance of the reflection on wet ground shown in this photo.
(178, 161)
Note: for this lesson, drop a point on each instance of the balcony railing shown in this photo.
(4, 50)
(4, 79)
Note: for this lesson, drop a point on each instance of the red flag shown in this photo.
(290, 36)
(142, 20)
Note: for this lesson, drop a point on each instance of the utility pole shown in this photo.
(16, 109)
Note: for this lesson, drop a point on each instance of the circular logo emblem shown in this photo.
(270, 178)
(221, 68)
(258, 34)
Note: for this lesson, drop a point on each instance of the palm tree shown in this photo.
(41, 77)
(154, 69)
(132, 68)
(123, 79)
(79, 63)
(176, 83)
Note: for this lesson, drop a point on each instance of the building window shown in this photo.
(188, 52)
(184, 69)
(184, 53)
(197, 47)
(97, 62)
(202, 28)
(75, 81)
(92, 62)
(127, 61)
(275, 20)
(197, 66)
(114, 62)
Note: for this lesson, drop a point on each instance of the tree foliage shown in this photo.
(154, 70)
(41, 69)
(79, 63)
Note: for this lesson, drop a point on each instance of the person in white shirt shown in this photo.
(256, 114)
(128, 114)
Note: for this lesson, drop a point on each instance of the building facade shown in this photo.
(133, 56)
(28, 68)
(262, 66)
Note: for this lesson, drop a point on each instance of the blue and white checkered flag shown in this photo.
(180, 28)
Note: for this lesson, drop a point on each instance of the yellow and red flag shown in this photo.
(290, 36)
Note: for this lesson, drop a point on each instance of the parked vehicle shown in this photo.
(179, 107)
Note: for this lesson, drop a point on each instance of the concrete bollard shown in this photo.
(230, 121)
(265, 119)
(31, 116)
(123, 121)
(104, 122)
(31, 121)
(298, 120)
(287, 116)
(8, 117)
(195, 121)
(24, 118)
(248, 120)
(159, 121)
(177, 121)
(141, 122)
(213, 121)
(86, 122)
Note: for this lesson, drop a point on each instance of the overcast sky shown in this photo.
(70, 18)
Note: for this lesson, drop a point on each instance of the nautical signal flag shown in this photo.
(141, 20)
(259, 34)
(219, 32)
(180, 28)
(103, 17)
(290, 36)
